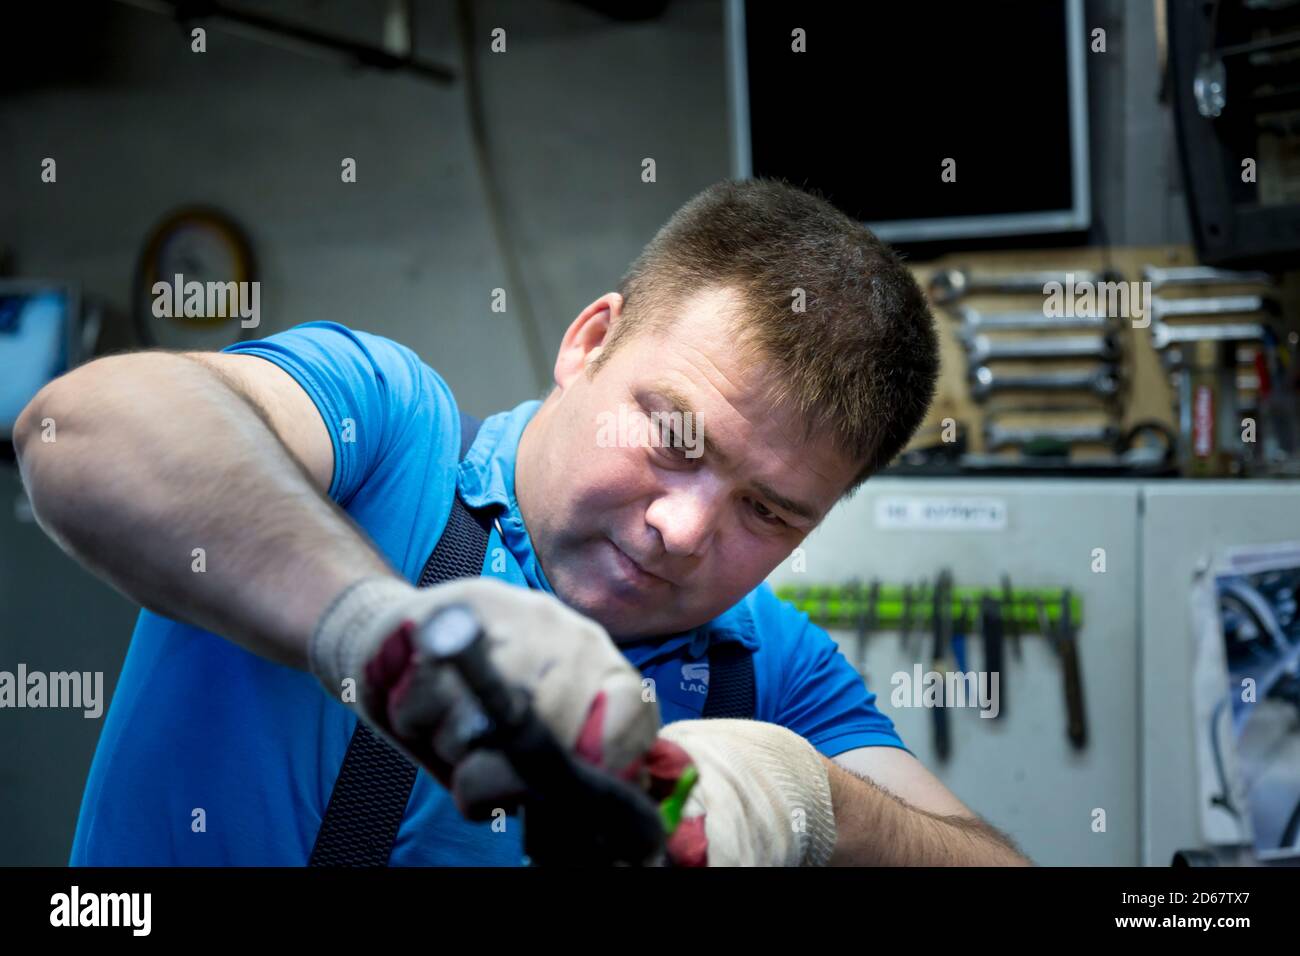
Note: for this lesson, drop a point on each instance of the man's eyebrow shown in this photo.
(679, 403)
(781, 501)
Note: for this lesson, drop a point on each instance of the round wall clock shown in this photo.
(195, 285)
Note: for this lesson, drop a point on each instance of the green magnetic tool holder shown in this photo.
(844, 606)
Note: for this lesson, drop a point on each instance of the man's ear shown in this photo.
(585, 338)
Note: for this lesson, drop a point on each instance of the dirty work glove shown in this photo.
(583, 689)
(762, 796)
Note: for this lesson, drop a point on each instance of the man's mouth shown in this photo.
(632, 570)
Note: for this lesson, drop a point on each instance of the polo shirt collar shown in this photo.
(486, 478)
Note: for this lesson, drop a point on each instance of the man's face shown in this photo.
(708, 519)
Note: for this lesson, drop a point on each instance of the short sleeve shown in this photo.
(819, 694)
(365, 386)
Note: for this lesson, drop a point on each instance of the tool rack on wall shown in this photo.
(953, 615)
(846, 605)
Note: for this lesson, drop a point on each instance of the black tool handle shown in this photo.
(574, 813)
(1076, 721)
(942, 743)
(991, 629)
(941, 616)
(1012, 621)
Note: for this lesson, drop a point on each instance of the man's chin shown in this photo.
(625, 612)
(623, 620)
(619, 622)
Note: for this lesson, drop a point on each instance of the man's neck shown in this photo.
(524, 459)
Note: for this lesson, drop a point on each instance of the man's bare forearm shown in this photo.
(876, 828)
(153, 458)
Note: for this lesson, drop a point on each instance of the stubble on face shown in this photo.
(576, 496)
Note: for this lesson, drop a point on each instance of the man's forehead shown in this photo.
(707, 318)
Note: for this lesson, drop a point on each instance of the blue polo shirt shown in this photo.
(211, 755)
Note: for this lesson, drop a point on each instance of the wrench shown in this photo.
(973, 322)
(1223, 305)
(867, 622)
(1163, 336)
(1064, 638)
(1102, 382)
(1202, 275)
(948, 285)
(1009, 614)
(905, 623)
(982, 348)
(941, 622)
(993, 633)
(999, 436)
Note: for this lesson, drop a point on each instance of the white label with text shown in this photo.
(942, 514)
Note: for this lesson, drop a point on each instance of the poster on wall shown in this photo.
(1246, 693)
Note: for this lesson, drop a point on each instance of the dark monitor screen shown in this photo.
(37, 327)
(886, 92)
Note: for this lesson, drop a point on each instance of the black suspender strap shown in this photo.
(731, 682)
(375, 781)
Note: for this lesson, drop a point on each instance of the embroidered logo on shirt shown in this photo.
(695, 677)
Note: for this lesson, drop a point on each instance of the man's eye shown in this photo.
(766, 514)
(672, 447)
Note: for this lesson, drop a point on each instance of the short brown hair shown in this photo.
(860, 364)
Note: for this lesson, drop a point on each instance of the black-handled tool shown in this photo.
(1010, 615)
(1076, 720)
(857, 620)
(1062, 640)
(905, 624)
(963, 629)
(573, 813)
(867, 622)
(991, 629)
(941, 617)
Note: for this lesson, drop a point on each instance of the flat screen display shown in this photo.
(36, 329)
(889, 96)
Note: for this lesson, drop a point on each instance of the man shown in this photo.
(802, 354)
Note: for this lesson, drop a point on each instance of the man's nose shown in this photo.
(686, 514)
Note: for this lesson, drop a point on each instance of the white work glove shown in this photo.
(762, 798)
(761, 794)
(583, 689)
